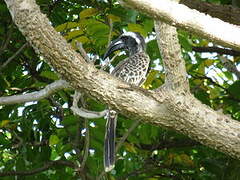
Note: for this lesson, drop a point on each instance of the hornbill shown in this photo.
(132, 70)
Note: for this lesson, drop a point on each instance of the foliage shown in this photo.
(36, 133)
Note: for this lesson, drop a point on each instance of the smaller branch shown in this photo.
(47, 166)
(19, 139)
(124, 137)
(110, 32)
(37, 144)
(218, 50)
(232, 97)
(32, 69)
(53, 5)
(77, 139)
(169, 144)
(86, 140)
(82, 51)
(199, 76)
(6, 42)
(83, 112)
(230, 66)
(37, 95)
(13, 56)
(86, 144)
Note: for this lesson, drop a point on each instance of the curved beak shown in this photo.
(114, 46)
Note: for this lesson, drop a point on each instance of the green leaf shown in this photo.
(73, 34)
(148, 25)
(49, 75)
(201, 68)
(3, 140)
(184, 40)
(88, 13)
(53, 140)
(234, 89)
(137, 28)
(97, 29)
(152, 49)
(4, 123)
(214, 93)
(114, 18)
(151, 76)
(69, 120)
(66, 26)
(82, 39)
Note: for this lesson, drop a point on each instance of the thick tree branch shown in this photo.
(226, 13)
(34, 96)
(181, 112)
(174, 65)
(190, 20)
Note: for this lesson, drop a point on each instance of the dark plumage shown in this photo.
(132, 70)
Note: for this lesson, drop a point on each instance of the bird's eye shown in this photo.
(124, 38)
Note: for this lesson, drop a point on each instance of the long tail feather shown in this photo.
(109, 142)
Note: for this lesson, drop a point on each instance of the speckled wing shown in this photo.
(134, 69)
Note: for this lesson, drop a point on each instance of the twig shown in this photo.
(77, 140)
(84, 54)
(52, 5)
(47, 166)
(215, 49)
(37, 95)
(86, 144)
(19, 138)
(110, 32)
(168, 144)
(6, 42)
(124, 137)
(84, 112)
(13, 56)
(82, 51)
(87, 137)
(216, 84)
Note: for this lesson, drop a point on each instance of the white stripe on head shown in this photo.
(118, 42)
(133, 35)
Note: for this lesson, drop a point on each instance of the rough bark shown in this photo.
(174, 65)
(226, 13)
(181, 16)
(179, 111)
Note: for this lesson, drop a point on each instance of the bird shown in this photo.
(132, 70)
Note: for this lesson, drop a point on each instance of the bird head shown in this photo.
(132, 42)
